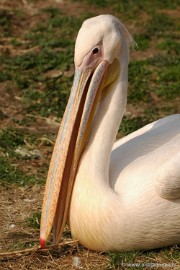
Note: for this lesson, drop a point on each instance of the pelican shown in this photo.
(122, 195)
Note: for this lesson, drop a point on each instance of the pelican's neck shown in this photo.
(106, 123)
(92, 198)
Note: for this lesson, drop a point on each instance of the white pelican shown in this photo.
(115, 196)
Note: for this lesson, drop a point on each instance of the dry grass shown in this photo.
(67, 255)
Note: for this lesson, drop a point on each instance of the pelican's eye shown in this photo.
(95, 51)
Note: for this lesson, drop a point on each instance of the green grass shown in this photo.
(55, 40)
(11, 138)
(169, 46)
(24, 245)
(145, 259)
(51, 99)
(129, 124)
(48, 96)
(41, 94)
(143, 41)
(34, 220)
(139, 74)
(8, 19)
(117, 259)
(27, 121)
(9, 173)
(131, 7)
(160, 24)
(5, 22)
(159, 75)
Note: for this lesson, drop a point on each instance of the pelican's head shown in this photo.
(98, 39)
(100, 47)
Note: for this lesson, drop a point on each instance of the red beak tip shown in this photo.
(42, 243)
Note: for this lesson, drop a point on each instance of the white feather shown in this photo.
(126, 194)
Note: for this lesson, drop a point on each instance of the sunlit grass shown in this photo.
(34, 220)
(11, 138)
(49, 47)
(11, 174)
(157, 259)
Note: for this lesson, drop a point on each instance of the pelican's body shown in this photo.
(122, 209)
(116, 196)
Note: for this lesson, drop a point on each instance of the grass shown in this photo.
(143, 41)
(159, 74)
(44, 95)
(11, 138)
(37, 64)
(51, 99)
(5, 22)
(130, 124)
(169, 46)
(12, 175)
(34, 220)
(160, 24)
(49, 96)
(145, 259)
(134, 4)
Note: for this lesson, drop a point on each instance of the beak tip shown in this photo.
(42, 243)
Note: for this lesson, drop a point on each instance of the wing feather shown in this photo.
(168, 174)
(153, 150)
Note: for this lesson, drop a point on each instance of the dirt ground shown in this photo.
(19, 241)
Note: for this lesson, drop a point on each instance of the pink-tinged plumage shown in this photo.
(122, 195)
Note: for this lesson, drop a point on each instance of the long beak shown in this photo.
(70, 142)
